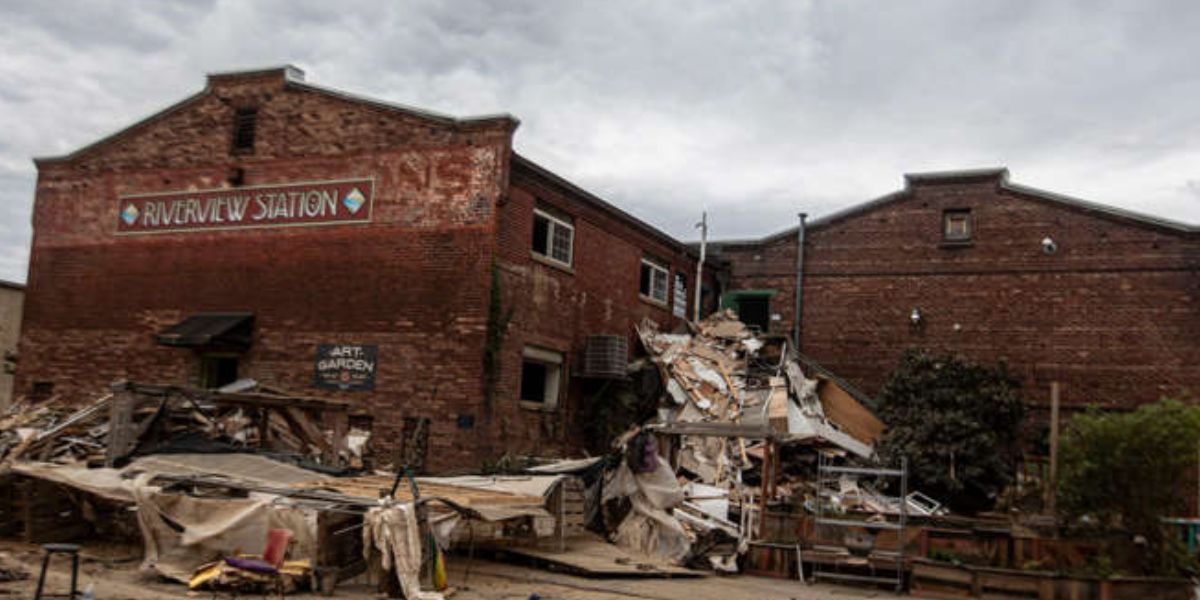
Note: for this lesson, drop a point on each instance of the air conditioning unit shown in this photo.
(605, 356)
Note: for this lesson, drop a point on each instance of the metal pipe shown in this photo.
(703, 225)
(799, 282)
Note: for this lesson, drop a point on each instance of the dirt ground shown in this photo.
(114, 572)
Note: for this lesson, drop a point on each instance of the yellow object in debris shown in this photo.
(439, 569)
(296, 568)
(204, 574)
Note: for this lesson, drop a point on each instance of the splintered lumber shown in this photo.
(302, 424)
(281, 431)
(96, 409)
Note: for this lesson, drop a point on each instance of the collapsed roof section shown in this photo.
(724, 381)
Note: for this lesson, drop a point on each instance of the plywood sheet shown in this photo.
(851, 417)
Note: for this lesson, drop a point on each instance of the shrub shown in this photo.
(1126, 471)
(957, 422)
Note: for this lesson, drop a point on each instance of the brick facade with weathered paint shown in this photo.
(415, 280)
(557, 308)
(1114, 314)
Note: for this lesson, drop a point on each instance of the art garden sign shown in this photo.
(346, 366)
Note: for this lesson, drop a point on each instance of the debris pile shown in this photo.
(53, 431)
(744, 425)
(170, 419)
(725, 375)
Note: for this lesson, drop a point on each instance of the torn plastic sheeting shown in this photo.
(181, 533)
(696, 517)
(805, 427)
(105, 483)
(573, 465)
(648, 528)
(392, 531)
(707, 374)
(713, 501)
(118, 484)
(678, 394)
(520, 485)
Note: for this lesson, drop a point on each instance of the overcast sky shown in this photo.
(751, 110)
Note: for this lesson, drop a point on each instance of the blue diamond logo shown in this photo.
(354, 200)
(130, 214)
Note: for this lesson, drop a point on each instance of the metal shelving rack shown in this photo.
(829, 473)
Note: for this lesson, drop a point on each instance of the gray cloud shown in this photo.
(751, 110)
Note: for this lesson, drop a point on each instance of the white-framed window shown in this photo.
(553, 237)
(541, 377)
(653, 282)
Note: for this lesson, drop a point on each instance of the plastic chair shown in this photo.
(275, 552)
(273, 556)
(277, 543)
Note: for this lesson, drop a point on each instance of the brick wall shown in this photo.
(12, 297)
(415, 280)
(557, 308)
(1113, 314)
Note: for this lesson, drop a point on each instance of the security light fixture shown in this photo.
(1049, 246)
(915, 316)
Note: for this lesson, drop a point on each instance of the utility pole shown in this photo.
(799, 308)
(703, 226)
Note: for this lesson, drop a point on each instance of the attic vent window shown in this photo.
(245, 121)
(956, 226)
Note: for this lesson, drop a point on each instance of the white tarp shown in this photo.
(392, 531)
(521, 485)
(118, 484)
(649, 528)
(183, 532)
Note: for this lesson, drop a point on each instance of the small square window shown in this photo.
(956, 225)
(541, 374)
(553, 237)
(653, 281)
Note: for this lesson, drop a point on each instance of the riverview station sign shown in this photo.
(283, 205)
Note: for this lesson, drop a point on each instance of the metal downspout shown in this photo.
(799, 283)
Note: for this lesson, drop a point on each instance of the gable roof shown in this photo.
(293, 78)
(1001, 175)
(553, 178)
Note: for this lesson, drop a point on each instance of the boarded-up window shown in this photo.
(245, 124)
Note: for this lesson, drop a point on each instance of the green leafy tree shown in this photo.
(959, 425)
(1125, 471)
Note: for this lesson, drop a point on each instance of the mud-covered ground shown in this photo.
(114, 571)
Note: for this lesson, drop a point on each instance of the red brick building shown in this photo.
(1105, 301)
(337, 246)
